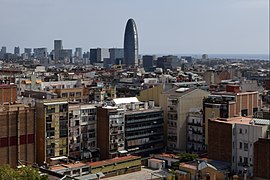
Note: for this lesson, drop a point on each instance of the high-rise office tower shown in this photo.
(3, 51)
(17, 50)
(131, 44)
(40, 53)
(116, 55)
(98, 55)
(148, 62)
(58, 46)
(28, 51)
(78, 53)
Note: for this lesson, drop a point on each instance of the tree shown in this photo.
(6, 172)
(26, 172)
(186, 157)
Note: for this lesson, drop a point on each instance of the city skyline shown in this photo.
(223, 27)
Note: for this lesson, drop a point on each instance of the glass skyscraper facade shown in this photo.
(131, 44)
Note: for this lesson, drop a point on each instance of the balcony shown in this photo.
(143, 127)
(195, 124)
(143, 135)
(144, 120)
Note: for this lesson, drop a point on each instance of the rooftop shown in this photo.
(234, 120)
(114, 160)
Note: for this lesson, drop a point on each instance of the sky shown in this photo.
(164, 26)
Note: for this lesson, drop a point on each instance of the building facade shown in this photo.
(17, 135)
(144, 130)
(176, 104)
(262, 158)
(195, 134)
(110, 131)
(52, 129)
(82, 132)
(232, 140)
(229, 104)
(131, 54)
(58, 46)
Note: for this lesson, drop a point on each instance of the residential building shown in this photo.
(202, 170)
(17, 135)
(52, 129)
(82, 132)
(229, 104)
(262, 158)
(110, 131)
(232, 140)
(116, 166)
(195, 131)
(176, 104)
(8, 93)
(144, 133)
(72, 94)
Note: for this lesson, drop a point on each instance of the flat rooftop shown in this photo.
(234, 120)
(112, 161)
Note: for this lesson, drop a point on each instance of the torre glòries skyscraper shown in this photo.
(131, 44)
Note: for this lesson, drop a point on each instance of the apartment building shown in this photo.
(262, 158)
(229, 104)
(144, 129)
(232, 140)
(195, 134)
(8, 93)
(52, 129)
(17, 135)
(82, 132)
(72, 94)
(110, 131)
(176, 104)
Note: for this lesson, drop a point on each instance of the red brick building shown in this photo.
(17, 135)
(262, 158)
(8, 93)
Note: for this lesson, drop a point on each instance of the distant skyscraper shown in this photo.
(40, 53)
(98, 55)
(204, 57)
(131, 44)
(17, 50)
(78, 53)
(58, 46)
(3, 51)
(116, 55)
(28, 51)
(148, 62)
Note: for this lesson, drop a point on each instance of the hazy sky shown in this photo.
(164, 26)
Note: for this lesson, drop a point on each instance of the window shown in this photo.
(240, 131)
(245, 160)
(246, 131)
(240, 145)
(240, 159)
(245, 146)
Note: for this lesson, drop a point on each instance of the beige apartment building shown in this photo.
(176, 104)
